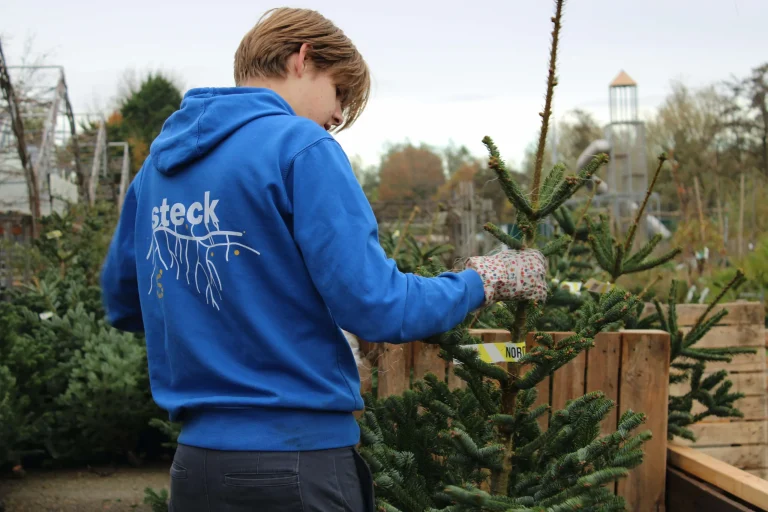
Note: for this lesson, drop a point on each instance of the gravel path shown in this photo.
(83, 491)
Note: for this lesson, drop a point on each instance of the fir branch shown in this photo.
(550, 182)
(734, 283)
(652, 263)
(556, 245)
(645, 250)
(498, 234)
(547, 112)
(633, 228)
(512, 191)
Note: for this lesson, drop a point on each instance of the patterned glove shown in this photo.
(512, 275)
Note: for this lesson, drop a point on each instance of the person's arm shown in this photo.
(367, 295)
(119, 282)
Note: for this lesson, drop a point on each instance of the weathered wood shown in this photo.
(726, 433)
(739, 313)
(761, 473)
(426, 359)
(741, 484)
(366, 377)
(643, 385)
(394, 372)
(568, 382)
(603, 366)
(686, 494)
(743, 457)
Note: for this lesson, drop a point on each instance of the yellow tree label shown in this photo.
(497, 352)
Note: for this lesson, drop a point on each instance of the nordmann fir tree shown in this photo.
(432, 448)
(593, 248)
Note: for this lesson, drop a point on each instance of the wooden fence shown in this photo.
(741, 442)
(630, 367)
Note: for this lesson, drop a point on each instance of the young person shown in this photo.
(244, 247)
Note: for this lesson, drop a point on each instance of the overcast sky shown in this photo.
(443, 70)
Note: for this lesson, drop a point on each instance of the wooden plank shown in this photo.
(730, 336)
(751, 384)
(752, 407)
(644, 385)
(743, 457)
(726, 433)
(686, 494)
(426, 359)
(603, 363)
(365, 369)
(394, 372)
(739, 483)
(568, 382)
(739, 313)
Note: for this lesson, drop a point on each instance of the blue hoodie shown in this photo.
(244, 246)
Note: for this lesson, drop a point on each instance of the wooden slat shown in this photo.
(730, 336)
(743, 457)
(686, 494)
(643, 386)
(726, 433)
(739, 313)
(394, 371)
(751, 384)
(603, 363)
(568, 382)
(737, 482)
(426, 359)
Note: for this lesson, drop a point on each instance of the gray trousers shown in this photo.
(204, 480)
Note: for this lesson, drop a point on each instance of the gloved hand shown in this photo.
(512, 275)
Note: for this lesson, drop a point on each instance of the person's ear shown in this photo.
(301, 62)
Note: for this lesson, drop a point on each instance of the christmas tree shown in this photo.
(72, 388)
(481, 448)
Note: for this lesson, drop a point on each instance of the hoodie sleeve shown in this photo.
(119, 282)
(365, 292)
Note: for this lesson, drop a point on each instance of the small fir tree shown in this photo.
(433, 448)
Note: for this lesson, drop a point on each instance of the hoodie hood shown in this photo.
(206, 117)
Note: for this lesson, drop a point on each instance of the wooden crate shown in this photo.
(630, 367)
(697, 482)
(742, 442)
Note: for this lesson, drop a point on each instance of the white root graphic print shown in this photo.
(196, 267)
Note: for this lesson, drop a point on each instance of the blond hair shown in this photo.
(265, 49)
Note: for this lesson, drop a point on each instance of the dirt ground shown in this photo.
(83, 490)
